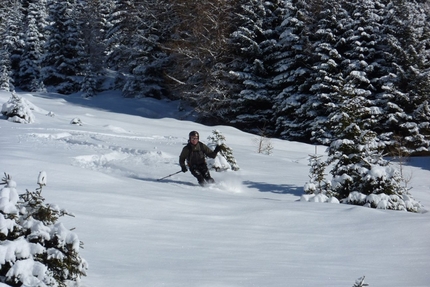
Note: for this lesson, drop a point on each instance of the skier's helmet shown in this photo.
(193, 134)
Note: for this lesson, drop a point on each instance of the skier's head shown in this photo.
(193, 137)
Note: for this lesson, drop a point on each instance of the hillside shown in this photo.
(249, 229)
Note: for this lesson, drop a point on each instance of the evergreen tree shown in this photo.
(355, 149)
(365, 66)
(5, 72)
(92, 24)
(19, 110)
(123, 22)
(62, 60)
(318, 184)
(30, 71)
(292, 70)
(89, 84)
(146, 77)
(11, 45)
(255, 41)
(28, 223)
(328, 56)
(225, 159)
(360, 173)
(407, 87)
(359, 64)
(133, 41)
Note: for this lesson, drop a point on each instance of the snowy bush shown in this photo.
(318, 198)
(36, 249)
(383, 201)
(76, 121)
(264, 145)
(317, 183)
(224, 160)
(18, 109)
(360, 282)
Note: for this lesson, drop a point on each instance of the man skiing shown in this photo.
(194, 153)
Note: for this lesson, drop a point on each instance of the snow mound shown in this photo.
(17, 109)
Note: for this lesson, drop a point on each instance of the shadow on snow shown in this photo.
(166, 180)
(275, 188)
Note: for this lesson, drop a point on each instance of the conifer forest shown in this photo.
(314, 71)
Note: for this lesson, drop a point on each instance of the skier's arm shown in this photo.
(183, 156)
(208, 152)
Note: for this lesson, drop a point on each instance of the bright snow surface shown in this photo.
(249, 229)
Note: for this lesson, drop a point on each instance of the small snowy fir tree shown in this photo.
(317, 183)
(225, 159)
(18, 109)
(360, 282)
(36, 249)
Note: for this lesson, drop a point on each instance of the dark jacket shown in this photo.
(195, 155)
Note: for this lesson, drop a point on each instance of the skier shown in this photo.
(194, 153)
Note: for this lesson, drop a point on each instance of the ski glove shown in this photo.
(217, 149)
(184, 169)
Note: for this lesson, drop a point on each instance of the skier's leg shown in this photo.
(206, 175)
(197, 174)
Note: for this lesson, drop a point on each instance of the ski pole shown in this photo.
(169, 175)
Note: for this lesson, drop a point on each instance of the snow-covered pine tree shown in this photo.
(360, 173)
(62, 61)
(353, 64)
(323, 43)
(133, 48)
(5, 72)
(318, 183)
(18, 109)
(327, 55)
(146, 78)
(355, 150)
(52, 251)
(89, 83)
(11, 46)
(225, 159)
(255, 41)
(407, 85)
(292, 71)
(364, 55)
(29, 76)
(92, 23)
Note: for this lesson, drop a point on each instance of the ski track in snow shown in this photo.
(117, 152)
(102, 155)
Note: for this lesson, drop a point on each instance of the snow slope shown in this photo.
(249, 229)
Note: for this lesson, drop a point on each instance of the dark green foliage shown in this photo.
(63, 49)
(254, 43)
(51, 245)
(252, 64)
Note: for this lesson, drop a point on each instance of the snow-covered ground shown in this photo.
(249, 229)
